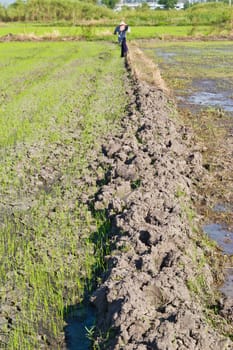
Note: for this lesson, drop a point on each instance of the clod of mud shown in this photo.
(54, 36)
(159, 289)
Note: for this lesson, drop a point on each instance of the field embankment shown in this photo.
(161, 288)
(92, 31)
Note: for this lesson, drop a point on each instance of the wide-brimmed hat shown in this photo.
(122, 23)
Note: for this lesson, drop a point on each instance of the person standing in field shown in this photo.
(121, 30)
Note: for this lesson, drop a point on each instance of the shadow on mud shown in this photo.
(80, 321)
(80, 329)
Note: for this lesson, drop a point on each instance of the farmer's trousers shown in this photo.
(124, 48)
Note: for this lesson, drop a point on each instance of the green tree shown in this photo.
(144, 6)
(169, 4)
(110, 3)
(187, 5)
(3, 15)
(54, 10)
(16, 11)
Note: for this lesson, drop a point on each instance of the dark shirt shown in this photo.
(121, 33)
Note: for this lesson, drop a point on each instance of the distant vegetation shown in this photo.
(54, 10)
(76, 12)
(198, 14)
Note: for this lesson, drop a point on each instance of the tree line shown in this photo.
(54, 10)
(75, 11)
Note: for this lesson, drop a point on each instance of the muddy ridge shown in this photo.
(160, 289)
(56, 37)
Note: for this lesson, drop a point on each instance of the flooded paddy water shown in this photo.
(200, 73)
(200, 76)
(80, 324)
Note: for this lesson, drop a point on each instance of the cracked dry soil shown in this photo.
(160, 288)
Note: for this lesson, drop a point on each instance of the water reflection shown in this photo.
(213, 99)
(223, 208)
(205, 73)
(223, 237)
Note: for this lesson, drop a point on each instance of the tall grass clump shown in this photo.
(54, 10)
(209, 14)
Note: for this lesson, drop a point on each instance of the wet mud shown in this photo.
(227, 289)
(207, 93)
(203, 76)
(202, 84)
(160, 289)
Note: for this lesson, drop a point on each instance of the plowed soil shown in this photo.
(160, 291)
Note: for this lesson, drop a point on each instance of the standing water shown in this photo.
(223, 237)
(80, 323)
(200, 73)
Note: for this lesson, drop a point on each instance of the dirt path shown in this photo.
(159, 292)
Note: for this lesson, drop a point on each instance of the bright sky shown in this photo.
(6, 2)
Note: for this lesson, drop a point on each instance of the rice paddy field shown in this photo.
(186, 64)
(104, 32)
(57, 101)
(200, 76)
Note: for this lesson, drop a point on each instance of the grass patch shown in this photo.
(32, 31)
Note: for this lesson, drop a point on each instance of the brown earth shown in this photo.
(213, 129)
(160, 291)
(55, 36)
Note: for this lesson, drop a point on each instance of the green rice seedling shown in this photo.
(139, 30)
(64, 98)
